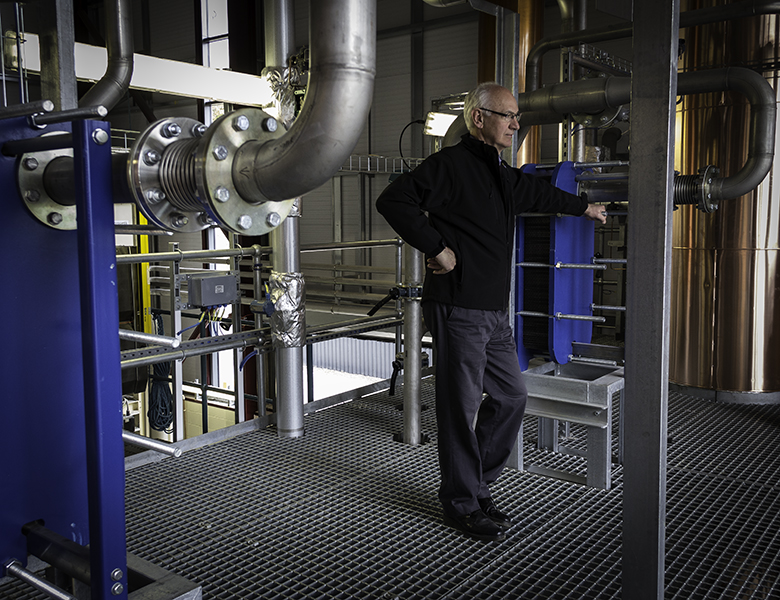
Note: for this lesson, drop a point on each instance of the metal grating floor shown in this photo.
(345, 512)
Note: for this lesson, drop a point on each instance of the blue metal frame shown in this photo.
(61, 425)
(42, 428)
(571, 290)
(101, 362)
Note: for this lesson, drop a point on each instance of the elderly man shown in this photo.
(458, 208)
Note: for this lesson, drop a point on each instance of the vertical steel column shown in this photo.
(257, 284)
(654, 90)
(289, 361)
(413, 274)
(419, 108)
(100, 349)
(399, 273)
(507, 57)
(177, 374)
(204, 384)
(238, 357)
(58, 64)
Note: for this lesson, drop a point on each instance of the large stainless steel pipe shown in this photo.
(595, 95)
(279, 29)
(285, 239)
(119, 44)
(343, 63)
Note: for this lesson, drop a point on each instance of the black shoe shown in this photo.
(476, 525)
(499, 518)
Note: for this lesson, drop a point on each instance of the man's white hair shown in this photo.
(479, 97)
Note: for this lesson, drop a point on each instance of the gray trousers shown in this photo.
(475, 353)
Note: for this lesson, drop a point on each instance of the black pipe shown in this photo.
(119, 45)
(60, 552)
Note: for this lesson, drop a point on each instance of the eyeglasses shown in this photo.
(504, 116)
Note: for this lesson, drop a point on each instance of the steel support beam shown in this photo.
(654, 91)
(100, 349)
(58, 62)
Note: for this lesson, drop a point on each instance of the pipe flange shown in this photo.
(146, 177)
(605, 118)
(214, 173)
(707, 202)
(29, 177)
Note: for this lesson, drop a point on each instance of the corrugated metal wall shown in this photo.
(362, 357)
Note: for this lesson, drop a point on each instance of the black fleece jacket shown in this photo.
(464, 198)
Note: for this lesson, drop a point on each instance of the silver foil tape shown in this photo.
(288, 322)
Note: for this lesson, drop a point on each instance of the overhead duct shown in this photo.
(119, 46)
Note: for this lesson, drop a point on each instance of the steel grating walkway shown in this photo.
(345, 512)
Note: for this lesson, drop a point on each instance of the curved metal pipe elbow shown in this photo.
(763, 122)
(336, 105)
(119, 45)
(761, 136)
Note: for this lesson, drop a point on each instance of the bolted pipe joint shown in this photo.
(180, 174)
(697, 189)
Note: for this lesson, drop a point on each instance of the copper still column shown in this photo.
(725, 325)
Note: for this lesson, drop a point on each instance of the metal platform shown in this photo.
(346, 512)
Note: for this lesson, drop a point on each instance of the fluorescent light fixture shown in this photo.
(437, 123)
(156, 74)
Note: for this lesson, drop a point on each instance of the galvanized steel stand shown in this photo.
(413, 273)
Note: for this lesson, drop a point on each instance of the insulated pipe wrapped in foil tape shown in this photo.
(286, 292)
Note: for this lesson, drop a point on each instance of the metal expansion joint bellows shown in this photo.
(180, 173)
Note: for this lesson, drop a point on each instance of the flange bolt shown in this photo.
(241, 123)
(222, 194)
(30, 163)
(154, 196)
(220, 152)
(273, 219)
(199, 129)
(244, 222)
(152, 157)
(171, 129)
(270, 124)
(54, 218)
(179, 221)
(32, 195)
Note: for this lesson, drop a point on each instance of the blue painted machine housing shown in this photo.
(42, 430)
(570, 290)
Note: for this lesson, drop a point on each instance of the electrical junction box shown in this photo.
(206, 290)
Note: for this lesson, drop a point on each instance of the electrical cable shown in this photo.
(246, 359)
(160, 411)
(401, 137)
